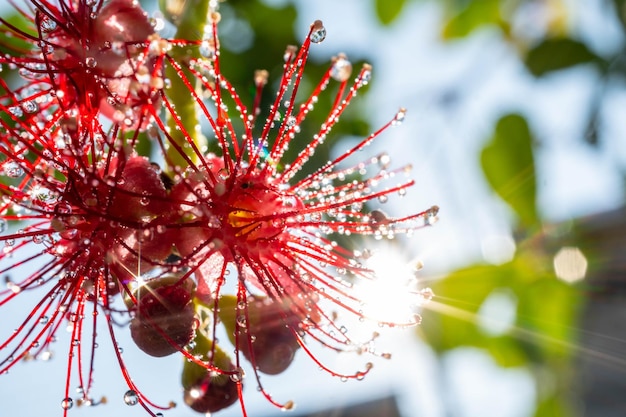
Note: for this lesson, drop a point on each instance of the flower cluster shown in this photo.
(218, 228)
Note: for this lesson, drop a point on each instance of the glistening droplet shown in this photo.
(399, 116)
(47, 24)
(91, 62)
(67, 403)
(318, 32)
(341, 69)
(131, 397)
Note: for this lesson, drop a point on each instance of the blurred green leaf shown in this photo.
(388, 10)
(15, 45)
(556, 54)
(451, 321)
(474, 15)
(554, 405)
(547, 312)
(506, 351)
(508, 164)
(620, 9)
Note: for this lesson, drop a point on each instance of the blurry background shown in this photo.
(515, 128)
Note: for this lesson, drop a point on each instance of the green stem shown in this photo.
(192, 373)
(191, 24)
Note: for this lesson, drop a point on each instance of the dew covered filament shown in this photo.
(220, 229)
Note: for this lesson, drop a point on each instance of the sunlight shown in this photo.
(393, 296)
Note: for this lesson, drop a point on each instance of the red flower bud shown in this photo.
(165, 320)
(212, 393)
(265, 332)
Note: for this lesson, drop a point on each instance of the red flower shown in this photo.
(253, 210)
(88, 229)
(105, 231)
(83, 59)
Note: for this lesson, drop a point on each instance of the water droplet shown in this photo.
(131, 397)
(366, 75)
(157, 23)
(16, 111)
(118, 48)
(430, 215)
(222, 174)
(426, 295)
(67, 403)
(238, 376)
(318, 32)
(90, 62)
(383, 160)
(13, 170)
(30, 106)
(47, 24)
(206, 49)
(144, 201)
(290, 52)
(399, 116)
(341, 69)
(43, 320)
(383, 198)
(3, 225)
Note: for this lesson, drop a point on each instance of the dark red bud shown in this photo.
(270, 332)
(164, 320)
(212, 393)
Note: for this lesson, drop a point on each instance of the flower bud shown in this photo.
(212, 393)
(165, 320)
(266, 338)
(208, 391)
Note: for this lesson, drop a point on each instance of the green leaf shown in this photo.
(508, 164)
(554, 405)
(547, 311)
(620, 11)
(506, 351)
(556, 54)
(450, 322)
(388, 10)
(473, 16)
